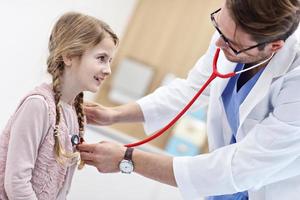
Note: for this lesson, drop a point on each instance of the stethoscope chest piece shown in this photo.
(75, 140)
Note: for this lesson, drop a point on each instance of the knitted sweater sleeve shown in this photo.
(30, 125)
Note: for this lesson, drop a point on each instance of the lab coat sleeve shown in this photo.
(27, 131)
(268, 154)
(164, 103)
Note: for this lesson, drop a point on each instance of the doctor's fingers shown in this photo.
(87, 147)
(90, 104)
(90, 163)
(102, 163)
(91, 119)
(94, 164)
(93, 116)
(90, 112)
(87, 157)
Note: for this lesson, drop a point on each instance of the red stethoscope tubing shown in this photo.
(214, 74)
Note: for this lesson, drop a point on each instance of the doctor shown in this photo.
(253, 119)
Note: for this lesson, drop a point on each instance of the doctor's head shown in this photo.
(80, 51)
(251, 30)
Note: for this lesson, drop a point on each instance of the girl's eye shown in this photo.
(101, 58)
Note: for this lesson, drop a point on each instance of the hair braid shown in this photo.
(78, 104)
(58, 148)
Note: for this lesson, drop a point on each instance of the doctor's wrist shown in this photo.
(116, 115)
(130, 112)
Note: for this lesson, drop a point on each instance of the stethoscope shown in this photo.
(215, 74)
(75, 140)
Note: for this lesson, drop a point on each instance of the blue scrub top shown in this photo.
(232, 99)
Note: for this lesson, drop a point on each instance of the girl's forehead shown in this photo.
(106, 45)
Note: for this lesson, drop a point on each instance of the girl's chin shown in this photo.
(93, 89)
(90, 88)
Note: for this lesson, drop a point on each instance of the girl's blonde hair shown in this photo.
(72, 35)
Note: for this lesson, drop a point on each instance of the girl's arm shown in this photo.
(27, 131)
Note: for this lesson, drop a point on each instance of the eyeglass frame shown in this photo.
(227, 42)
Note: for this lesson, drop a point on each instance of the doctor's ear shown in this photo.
(276, 45)
(67, 59)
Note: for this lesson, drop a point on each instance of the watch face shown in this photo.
(126, 166)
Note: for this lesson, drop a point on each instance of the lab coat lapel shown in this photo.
(215, 110)
(278, 66)
(258, 91)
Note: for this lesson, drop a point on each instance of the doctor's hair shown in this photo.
(266, 20)
(72, 35)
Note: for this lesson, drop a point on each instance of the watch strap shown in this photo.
(128, 153)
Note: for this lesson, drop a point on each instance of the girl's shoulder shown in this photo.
(40, 99)
(36, 103)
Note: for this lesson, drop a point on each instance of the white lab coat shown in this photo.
(266, 158)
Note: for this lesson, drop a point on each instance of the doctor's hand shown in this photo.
(99, 115)
(105, 156)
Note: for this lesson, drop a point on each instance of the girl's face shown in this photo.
(90, 70)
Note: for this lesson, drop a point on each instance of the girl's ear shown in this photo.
(67, 59)
(276, 45)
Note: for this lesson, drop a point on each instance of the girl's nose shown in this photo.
(106, 70)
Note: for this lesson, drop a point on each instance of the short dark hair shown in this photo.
(266, 20)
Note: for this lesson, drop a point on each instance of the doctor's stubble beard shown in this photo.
(246, 58)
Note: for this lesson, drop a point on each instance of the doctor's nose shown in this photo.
(221, 43)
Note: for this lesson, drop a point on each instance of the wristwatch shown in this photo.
(126, 165)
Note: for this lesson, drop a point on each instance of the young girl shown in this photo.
(37, 157)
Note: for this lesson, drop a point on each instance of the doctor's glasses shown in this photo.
(227, 41)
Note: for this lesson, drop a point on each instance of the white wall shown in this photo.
(24, 32)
